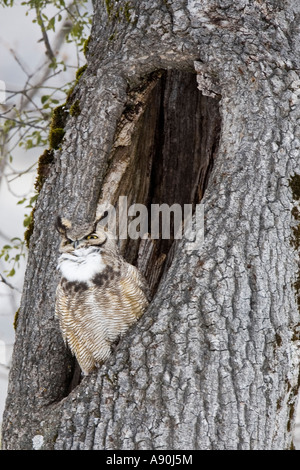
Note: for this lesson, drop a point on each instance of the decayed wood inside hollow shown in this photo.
(163, 153)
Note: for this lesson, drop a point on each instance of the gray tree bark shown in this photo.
(213, 363)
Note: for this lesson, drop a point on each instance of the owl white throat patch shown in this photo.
(81, 265)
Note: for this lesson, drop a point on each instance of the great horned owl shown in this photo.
(99, 295)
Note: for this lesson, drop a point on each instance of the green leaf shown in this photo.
(45, 98)
(29, 144)
(53, 64)
(33, 199)
(27, 220)
(21, 201)
(11, 273)
(51, 24)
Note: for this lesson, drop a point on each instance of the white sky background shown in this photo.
(17, 32)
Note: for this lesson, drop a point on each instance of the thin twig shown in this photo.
(23, 124)
(49, 51)
(8, 284)
(19, 61)
(66, 26)
(21, 173)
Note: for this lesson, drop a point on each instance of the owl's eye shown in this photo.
(89, 237)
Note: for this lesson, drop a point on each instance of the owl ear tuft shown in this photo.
(62, 225)
(99, 218)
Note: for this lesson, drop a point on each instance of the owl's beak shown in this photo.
(75, 243)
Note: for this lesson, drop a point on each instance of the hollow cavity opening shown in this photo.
(169, 159)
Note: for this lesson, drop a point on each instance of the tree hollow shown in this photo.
(165, 146)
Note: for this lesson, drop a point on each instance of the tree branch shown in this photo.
(49, 51)
(8, 284)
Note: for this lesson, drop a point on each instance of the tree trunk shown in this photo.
(213, 363)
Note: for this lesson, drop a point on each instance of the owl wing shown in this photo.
(121, 299)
